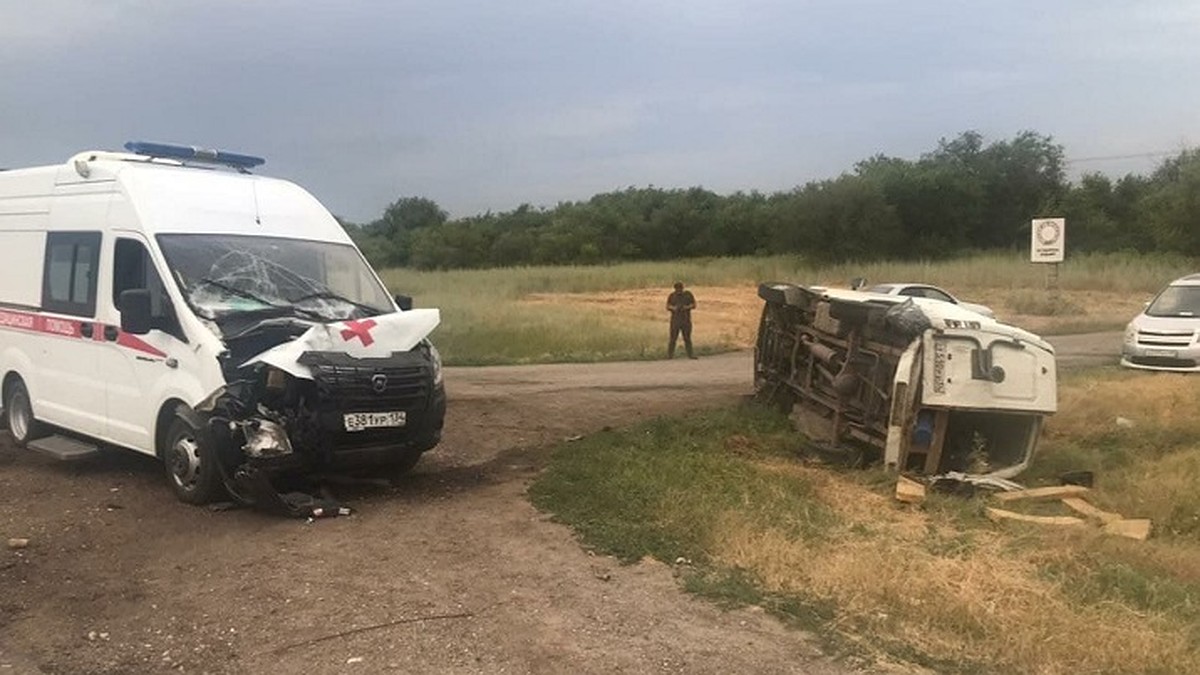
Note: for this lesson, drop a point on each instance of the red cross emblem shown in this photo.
(360, 330)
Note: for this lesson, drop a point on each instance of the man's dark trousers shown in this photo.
(678, 326)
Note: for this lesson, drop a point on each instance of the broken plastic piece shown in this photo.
(1084, 478)
(949, 482)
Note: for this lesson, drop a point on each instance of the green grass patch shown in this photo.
(660, 489)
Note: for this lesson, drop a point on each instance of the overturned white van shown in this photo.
(924, 386)
(167, 301)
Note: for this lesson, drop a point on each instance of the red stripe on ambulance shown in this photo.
(71, 328)
(131, 341)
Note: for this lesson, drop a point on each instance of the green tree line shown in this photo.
(963, 195)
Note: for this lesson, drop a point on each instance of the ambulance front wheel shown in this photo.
(18, 413)
(191, 466)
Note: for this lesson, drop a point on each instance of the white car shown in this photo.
(1164, 335)
(931, 292)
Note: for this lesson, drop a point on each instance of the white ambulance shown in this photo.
(167, 301)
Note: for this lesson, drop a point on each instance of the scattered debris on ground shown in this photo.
(1080, 505)
(1134, 528)
(1043, 493)
(1001, 514)
(911, 491)
(1074, 498)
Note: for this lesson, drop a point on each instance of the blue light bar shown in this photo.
(188, 153)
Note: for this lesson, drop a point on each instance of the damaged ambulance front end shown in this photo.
(322, 371)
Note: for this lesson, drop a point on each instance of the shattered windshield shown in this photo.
(1176, 301)
(228, 274)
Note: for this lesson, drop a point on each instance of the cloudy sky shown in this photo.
(485, 104)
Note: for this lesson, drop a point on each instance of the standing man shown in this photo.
(680, 304)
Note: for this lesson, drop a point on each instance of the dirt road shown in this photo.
(118, 577)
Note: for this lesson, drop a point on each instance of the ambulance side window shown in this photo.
(69, 274)
(133, 270)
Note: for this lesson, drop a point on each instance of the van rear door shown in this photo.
(68, 387)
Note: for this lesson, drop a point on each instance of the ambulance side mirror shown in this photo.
(404, 302)
(136, 317)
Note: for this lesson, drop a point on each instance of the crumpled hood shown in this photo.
(374, 337)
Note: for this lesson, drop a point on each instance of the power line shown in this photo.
(1110, 158)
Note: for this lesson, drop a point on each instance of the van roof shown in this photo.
(1189, 280)
(166, 196)
(184, 199)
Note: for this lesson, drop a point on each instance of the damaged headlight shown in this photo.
(436, 357)
(265, 439)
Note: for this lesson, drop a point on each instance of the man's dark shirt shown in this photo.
(680, 300)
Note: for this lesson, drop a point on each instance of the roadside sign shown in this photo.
(1048, 237)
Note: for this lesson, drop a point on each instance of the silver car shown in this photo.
(931, 292)
(1163, 336)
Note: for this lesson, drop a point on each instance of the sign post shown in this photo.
(1048, 238)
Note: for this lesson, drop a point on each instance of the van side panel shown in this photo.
(24, 216)
(21, 274)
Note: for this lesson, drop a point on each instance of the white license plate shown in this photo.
(374, 420)
(1166, 353)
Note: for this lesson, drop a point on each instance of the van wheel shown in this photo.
(18, 413)
(191, 465)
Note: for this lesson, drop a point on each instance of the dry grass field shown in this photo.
(615, 312)
(726, 317)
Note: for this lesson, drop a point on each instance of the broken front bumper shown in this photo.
(400, 388)
(349, 413)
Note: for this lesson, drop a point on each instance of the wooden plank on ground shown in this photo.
(909, 491)
(1000, 514)
(1134, 528)
(1052, 492)
(1080, 505)
(941, 420)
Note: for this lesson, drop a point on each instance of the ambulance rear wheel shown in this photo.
(191, 466)
(18, 413)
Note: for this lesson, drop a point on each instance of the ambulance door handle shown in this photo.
(111, 333)
(85, 329)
